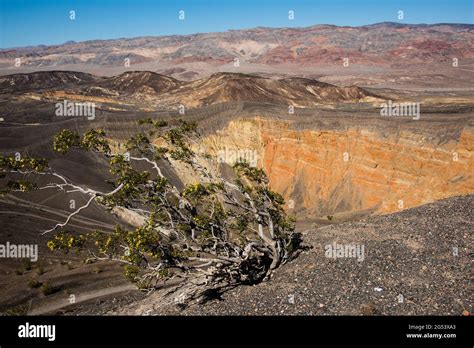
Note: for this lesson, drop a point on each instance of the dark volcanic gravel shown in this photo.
(422, 254)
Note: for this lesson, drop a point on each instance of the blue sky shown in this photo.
(34, 22)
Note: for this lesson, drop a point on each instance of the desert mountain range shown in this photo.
(372, 52)
(157, 91)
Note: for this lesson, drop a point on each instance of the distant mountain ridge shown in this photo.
(380, 44)
(167, 92)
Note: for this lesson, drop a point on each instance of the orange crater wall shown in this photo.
(331, 172)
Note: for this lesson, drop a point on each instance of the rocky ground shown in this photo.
(422, 254)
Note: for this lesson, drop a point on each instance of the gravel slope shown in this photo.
(411, 253)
